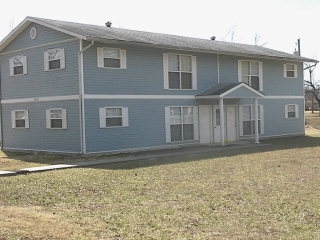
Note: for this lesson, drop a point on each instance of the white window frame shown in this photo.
(103, 116)
(101, 56)
(252, 110)
(168, 123)
(18, 61)
(166, 71)
(286, 70)
(240, 73)
(63, 118)
(61, 57)
(25, 118)
(296, 111)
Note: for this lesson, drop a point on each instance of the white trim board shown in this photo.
(40, 46)
(124, 97)
(151, 97)
(284, 97)
(40, 99)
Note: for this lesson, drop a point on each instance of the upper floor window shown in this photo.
(290, 70)
(291, 111)
(18, 65)
(56, 118)
(180, 71)
(20, 119)
(113, 117)
(111, 58)
(54, 59)
(250, 72)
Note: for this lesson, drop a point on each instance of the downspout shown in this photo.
(218, 67)
(81, 97)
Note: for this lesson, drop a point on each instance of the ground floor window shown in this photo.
(247, 119)
(113, 117)
(181, 123)
(56, 118)
(291, 111)
(20, 119)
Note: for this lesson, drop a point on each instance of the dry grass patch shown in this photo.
(35, 223)
(312, 120)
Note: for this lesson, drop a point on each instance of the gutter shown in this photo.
(81, 97)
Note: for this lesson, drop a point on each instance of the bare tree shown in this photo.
(312, 87)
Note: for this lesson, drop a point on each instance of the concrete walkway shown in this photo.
(177, 151)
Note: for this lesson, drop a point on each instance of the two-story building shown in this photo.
(77, 88)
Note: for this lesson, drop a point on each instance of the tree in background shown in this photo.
(312, 87)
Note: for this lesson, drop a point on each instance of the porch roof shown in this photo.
(230, 90)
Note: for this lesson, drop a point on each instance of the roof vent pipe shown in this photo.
(108, 24)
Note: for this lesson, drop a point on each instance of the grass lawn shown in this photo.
(271, 192)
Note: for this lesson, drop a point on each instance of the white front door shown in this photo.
(205, 115)
(209, 123)
(216, 124)
(231, 127)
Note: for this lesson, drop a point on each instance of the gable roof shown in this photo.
(110, 34)
(230, 90)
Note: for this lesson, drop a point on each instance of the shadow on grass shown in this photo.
(169, 156)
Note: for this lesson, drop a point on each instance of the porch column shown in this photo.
(256, 117)
(222, 131)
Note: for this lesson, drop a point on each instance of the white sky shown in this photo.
(275, 24)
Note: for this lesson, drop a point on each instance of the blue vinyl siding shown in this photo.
(40, 83)
(277, 85)
(228, 68)
(38, 137)
(146, 124)
(275, 123)
(144, 72)
(44, 36)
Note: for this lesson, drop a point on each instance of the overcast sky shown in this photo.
(274, 24)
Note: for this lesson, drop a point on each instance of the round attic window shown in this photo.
(33, 33)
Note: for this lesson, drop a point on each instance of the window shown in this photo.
(111, 58)
(54, 59)
(290, 70)
(181, 124)
(56, 118)
(113, 117)
(180, 71)
(250, 72)
(247, 120)
(291, 111)
(20, 119)
(18, 65)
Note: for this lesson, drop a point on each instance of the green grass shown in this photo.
(270, 192)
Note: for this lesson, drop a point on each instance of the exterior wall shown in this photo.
(146, 124)
(144, 73)
(37, 84)
(275, 123)
(44, 36)
(38, 137)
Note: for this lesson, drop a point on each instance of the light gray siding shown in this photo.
(38, 137)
